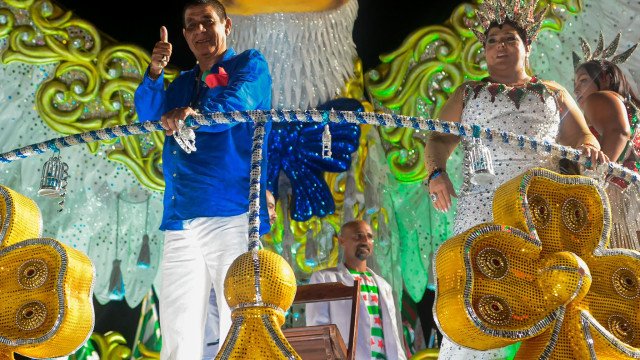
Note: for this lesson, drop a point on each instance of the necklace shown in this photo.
(532, 79)
(515, 93)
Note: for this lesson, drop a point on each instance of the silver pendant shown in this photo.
(326, 143)
(481, 164)
(53, 183)
(54, 177)
(185, 137)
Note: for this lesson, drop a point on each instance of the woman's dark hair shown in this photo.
(217, 7)
(521, 32)
(599, 71)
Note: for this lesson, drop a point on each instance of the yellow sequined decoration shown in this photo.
(45, 286)
(542, 274)
(260, 285)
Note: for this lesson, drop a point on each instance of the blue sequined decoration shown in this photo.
(296, 150)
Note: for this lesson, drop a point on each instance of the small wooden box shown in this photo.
(322, 342)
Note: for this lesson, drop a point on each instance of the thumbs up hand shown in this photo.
(160, 55)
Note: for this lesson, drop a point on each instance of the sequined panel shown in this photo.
(569, 193)
(15, 228)
(256, 334)
(615, 294)
(33, 273)
(275, 291)
(494, 310)
(568, 295)
(492, 263)
(24, 281)
(540, 211)
(625, 283)
(574, 215)
(485, 324)
(621, 328)
(46, 309)
(31, 316)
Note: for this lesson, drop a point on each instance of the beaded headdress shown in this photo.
(601, 54)
(522, 13)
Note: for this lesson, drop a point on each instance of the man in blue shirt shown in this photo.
(206, 197)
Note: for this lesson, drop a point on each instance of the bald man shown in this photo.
(271, 208)
(378, 333)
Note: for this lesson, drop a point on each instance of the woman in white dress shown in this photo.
(508, 100)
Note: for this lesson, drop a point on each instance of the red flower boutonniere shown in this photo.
(219, 79)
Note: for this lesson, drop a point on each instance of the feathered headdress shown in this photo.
(601, 54)
(520, 12)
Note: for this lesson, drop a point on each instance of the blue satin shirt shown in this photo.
(214, 180)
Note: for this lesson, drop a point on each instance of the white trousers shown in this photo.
(194, 264)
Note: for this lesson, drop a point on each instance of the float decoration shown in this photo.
(297, 150)
(93, 84)
(259, 287)
(45, 286)
(542, 274)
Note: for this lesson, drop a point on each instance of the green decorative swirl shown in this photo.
(93, 85)
(111, 346)
(418, 77)
(20, 4)
(10, 20)
(415, 80)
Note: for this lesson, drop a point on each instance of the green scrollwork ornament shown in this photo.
(111, 346)
(93, 85)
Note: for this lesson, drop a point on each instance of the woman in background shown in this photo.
(610, 108)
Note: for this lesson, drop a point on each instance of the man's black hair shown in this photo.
(217, 7)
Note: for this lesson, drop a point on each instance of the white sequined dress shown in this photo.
(530, 111)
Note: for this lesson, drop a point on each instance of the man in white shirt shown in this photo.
(378, 332)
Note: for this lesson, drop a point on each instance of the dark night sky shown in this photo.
(381, 26)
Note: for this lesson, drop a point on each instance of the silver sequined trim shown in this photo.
(546, 353)
(256, 274)
(232, 336)
(7, 218)
(261, 304)
(587, 320)
(276, 339)
(587, 336)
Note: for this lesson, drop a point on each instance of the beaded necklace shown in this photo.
(515, 93)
